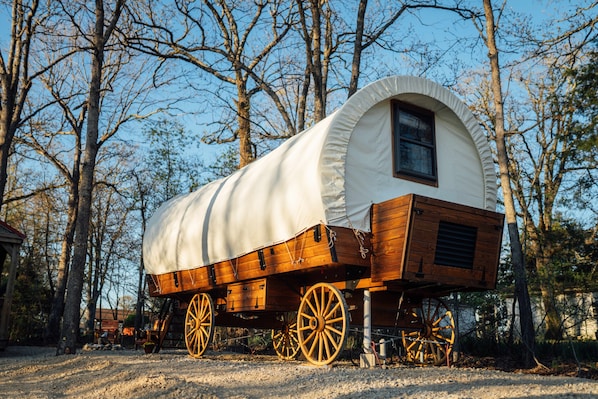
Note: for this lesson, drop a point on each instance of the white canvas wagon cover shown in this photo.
(331, 173)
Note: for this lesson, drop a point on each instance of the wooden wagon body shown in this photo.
(325, 276)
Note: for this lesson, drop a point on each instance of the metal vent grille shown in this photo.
(455, 245)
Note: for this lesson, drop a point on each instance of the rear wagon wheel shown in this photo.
(285, 339)
(434, 342)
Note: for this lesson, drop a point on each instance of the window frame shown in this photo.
(396, 106)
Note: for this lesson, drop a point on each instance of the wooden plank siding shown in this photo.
(319, 250)
(405, 238)
(260, 294)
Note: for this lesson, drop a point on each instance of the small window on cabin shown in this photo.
(414, 145)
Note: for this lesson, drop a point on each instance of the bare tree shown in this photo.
(107, 248)
(15, 78)
(70, 176)
(547, 152)
(551, 159)
(107, 60)
(142, 190)
(219, 37)
(367, 36)
(17, 73)
(318, 49)
(517, 256)
(46, 137)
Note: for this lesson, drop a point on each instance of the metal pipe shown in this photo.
(367, 321)
(382, 350)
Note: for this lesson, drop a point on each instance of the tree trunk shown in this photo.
(357, 48)
(554, 330)
(52, 331)
(5, 144)
(317, 72)
(521, 289)
(140, 286)
(542, 253)
(70, 325)
(246, 153)
(71, 319)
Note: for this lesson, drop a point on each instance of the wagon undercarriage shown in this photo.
(312, 289)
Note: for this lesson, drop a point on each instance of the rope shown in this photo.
(289, 252)
(331, 234)
(360, 237)
(156, 283)
(361, 240)
(427, 341)
(191, 277)
(300, 259)
(235, 267)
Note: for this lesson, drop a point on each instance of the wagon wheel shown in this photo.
(434, 342)
(322, 323)
(285, 340)
(199, 324)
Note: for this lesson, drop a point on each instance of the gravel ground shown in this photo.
(32, 372)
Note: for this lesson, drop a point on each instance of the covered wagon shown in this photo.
(366, 218)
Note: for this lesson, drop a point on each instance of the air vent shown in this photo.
(455, 245)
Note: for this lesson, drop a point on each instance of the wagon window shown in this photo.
(414, 145)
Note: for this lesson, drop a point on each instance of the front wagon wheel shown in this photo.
(322, 323)
(199, 324)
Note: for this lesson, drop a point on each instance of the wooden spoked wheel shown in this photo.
(434, 342)
(285, 340)
(322, 323)
(199, 324)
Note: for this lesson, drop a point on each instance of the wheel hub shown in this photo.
(427, 331)
(317, 323)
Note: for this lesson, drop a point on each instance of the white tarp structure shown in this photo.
(330, 173)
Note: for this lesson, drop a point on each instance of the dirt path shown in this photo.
(27, 372)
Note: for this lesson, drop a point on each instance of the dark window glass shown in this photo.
(414, 143)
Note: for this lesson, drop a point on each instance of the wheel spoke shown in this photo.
(320, 304)
(312, 308)
(311, 337)
(332, 340)
(335, 320)
(325, 308)
(333, 311)
(315, 339)
(327, 339)
(334, 330)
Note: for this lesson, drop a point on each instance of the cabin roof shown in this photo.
(9, 234)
